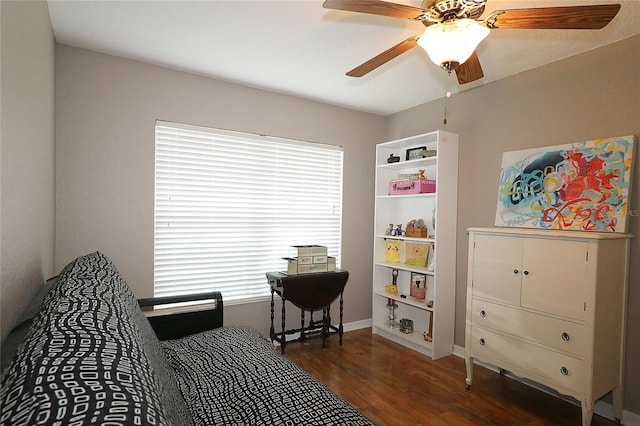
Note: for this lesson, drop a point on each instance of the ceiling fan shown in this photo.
(454, 29)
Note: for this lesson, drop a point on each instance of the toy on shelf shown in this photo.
(392, 288)
(397, 231)
(417, 254)
(393, 250)
(416, 228)
(418, 287)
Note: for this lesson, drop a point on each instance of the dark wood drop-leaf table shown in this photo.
(309, 292)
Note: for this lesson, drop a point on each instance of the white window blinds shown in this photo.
(229, 205)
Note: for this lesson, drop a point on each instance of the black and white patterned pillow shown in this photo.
(234, 376)
(82, 362)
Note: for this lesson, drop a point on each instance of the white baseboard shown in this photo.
(357, 325)
(630, 419)
(601, 408)
(458, 351)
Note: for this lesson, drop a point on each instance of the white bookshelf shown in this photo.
(439, 208)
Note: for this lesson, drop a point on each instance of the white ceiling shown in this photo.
(300, 48)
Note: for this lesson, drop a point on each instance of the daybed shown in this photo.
(92, 357)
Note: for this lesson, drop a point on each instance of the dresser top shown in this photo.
(551, 233)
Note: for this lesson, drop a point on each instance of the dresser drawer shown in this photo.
(562, 335)
(540, 364)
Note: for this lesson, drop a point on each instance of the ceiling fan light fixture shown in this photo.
(451, 43)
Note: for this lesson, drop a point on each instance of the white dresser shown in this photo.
(550, 306)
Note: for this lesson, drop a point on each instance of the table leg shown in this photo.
(324, 327)
(283, 339)
(272, 331)
(302, 336)
(340, 329)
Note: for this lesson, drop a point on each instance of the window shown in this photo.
(228, 206)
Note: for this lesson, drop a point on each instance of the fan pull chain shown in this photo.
(447, 95)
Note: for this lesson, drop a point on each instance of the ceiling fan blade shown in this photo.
(470, 70)
(384, 57)
(376, 7)
(593, 17)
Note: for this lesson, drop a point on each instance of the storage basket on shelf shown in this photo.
(416, 229)
(416, 232)
(412, 186)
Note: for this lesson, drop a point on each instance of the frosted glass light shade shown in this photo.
(452, 42)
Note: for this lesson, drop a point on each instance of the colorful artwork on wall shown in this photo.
(579, 186)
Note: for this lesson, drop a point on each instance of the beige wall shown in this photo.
(106, 110)
(590, 96)
(27, 155)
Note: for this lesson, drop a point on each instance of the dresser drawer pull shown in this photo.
(566, 337)
(482, 342)
(564, 371)
(515, 271)
(483, 314)
(526, 272)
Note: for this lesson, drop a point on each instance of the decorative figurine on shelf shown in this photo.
(393, 251)
(428, 335)
(418, 287)
(421, 175)
(433, 221)
(431, 267)
(393, 159)
(392, 288)
(391, 319)
(406, 326)
(397, 231)
(389, 230)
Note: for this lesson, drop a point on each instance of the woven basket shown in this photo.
(416, 232)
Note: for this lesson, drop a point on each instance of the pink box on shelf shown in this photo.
(412, 186)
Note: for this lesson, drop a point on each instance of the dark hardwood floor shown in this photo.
(393, 385)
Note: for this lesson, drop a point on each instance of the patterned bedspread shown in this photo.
(83, 362)
(234, 376)
(91, 358)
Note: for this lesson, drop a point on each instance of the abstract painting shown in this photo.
(578, 186)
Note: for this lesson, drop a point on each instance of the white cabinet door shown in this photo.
(497, 268)
(555, 277)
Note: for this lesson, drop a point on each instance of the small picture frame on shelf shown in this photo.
(418, 287)
(415, 153)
